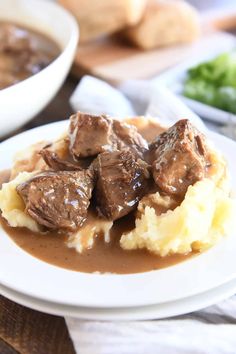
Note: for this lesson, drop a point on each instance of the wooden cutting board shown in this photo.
(115, 61)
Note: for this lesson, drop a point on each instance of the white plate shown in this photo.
(28, 275)
(164, 310)
(174, 80)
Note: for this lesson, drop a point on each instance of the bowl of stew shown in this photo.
(38, 40)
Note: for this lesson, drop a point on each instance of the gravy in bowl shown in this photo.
(23, 53)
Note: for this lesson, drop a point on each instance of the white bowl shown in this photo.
(21, 102)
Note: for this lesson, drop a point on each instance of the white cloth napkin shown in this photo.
(211, 330)
(131, 98)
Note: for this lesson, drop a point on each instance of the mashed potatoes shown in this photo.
(28, 160)
(85, 237)
(12, 206)
(204, 216)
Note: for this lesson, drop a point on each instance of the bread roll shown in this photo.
(165, 22)
(101, 17)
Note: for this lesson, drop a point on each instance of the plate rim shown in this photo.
(149, 312)
(98, 280)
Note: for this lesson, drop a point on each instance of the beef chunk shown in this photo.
(127, 136)
(121, 183)
(57, 156)
(180, 158)
(91, 135)
(58, 200)
(56, 163)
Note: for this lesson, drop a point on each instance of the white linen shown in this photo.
(211, 330)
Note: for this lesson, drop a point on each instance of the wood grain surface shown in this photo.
(114, 61)
(31, 332)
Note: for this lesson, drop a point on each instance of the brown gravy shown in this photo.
(23, 53)
(103, 257)
(4, 176)
(150, 131)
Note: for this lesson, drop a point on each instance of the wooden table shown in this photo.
(23, 330)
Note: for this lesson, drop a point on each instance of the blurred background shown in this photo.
(126, 39)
